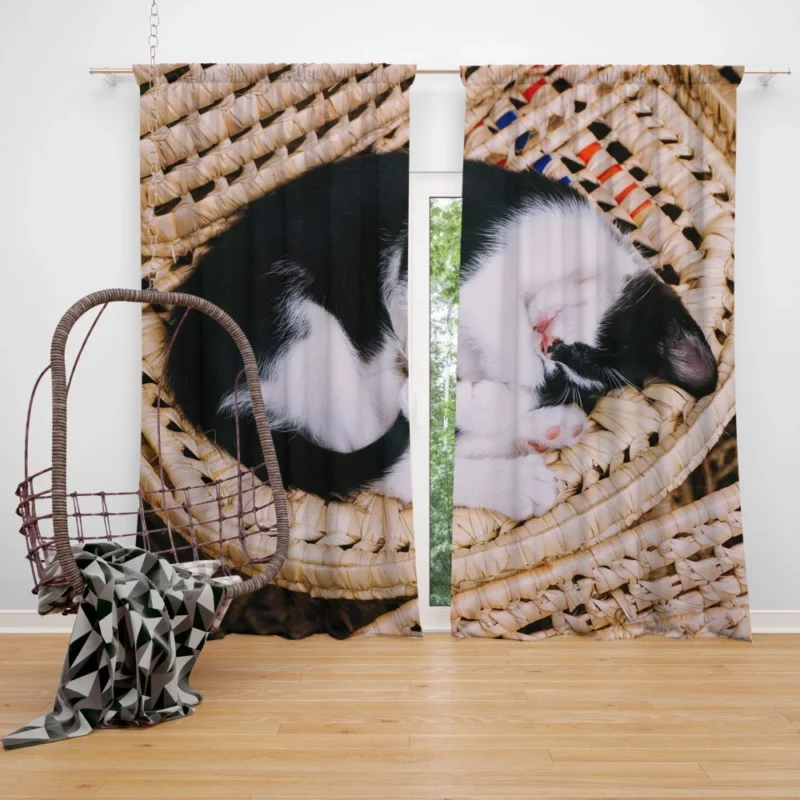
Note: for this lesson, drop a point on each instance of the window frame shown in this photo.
(424, 186)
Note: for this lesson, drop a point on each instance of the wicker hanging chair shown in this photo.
(654, 147)
(231, 518)
(228, 134)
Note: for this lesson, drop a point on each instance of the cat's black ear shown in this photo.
(686, 358)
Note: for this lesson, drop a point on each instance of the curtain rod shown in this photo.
(766, 76)
(128, 71)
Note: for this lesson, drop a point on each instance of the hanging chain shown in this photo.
(152, 123)
(152, 40)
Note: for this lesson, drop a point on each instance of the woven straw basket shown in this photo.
(654, 147)
(226, 135)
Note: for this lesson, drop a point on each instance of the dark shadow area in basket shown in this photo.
(295, 615)
(273, 610)
(718, 470)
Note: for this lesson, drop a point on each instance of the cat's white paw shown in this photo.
(533, 490)
(519, 487)
(551, 428)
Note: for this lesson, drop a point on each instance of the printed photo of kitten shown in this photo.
(280, 194)
(595, 403)
(557, 308)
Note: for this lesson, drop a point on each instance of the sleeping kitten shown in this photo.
(556, 308)
(316, 275)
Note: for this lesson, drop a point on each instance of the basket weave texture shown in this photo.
(227, 134)
(654, 149)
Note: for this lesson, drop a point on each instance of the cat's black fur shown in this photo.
(324, 233)
(648, 333)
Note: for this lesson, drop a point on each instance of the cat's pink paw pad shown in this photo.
(553, 427)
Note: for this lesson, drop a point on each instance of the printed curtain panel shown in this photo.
(279, 192)
(596, 484)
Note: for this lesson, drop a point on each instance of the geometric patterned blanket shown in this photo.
(137, 635)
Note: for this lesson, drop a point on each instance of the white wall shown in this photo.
(69, 197)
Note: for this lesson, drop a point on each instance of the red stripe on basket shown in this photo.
(607, 173)
(641, 207)
(625, 192)
(533, 88)
(502, 162)
(588, 152)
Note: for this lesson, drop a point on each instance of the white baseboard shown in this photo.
(775, 621)
(31, 622)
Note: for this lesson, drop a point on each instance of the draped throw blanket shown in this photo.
(137, 635)
(279, 192)
(596, 483)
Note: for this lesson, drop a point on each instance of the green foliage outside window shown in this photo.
(445, 256)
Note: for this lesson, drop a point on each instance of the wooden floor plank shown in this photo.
(396, 718)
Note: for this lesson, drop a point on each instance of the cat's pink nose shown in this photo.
(542, 325)
(545, 321)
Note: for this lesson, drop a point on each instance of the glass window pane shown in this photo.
(445, 251)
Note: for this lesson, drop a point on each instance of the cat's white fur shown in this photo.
(554, 267)
(321, 387)
(564, 264)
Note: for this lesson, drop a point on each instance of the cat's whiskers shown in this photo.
(574, 395)
(565, 394)
(615, 374)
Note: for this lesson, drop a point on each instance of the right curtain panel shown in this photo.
(596, 482)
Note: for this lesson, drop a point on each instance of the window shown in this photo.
(445, 250)
(434, 241)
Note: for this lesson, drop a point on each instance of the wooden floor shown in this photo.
(389, 718)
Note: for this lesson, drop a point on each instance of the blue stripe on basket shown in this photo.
(505, 120)
(522, 140)
(565, 180)
(542, 163)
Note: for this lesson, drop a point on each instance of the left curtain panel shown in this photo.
(281, 195)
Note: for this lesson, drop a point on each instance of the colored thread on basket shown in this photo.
(505, 120)
(607, 173)
(522, 140)
(533, 88)
(625, 192)
(542, 163)
(640, 208)
(588, 151)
